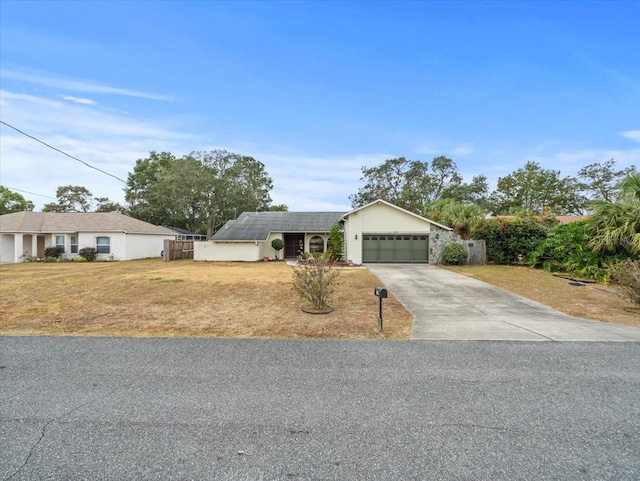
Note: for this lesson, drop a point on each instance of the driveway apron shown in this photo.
(449, 306)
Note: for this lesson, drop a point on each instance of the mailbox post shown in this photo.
(381, 293)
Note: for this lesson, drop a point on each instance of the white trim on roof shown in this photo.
(384, 202)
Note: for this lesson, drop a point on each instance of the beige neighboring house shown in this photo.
(376, 232)
(114, 235)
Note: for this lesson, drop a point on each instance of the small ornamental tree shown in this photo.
(313, 281)
(335, 243)
(277, 245)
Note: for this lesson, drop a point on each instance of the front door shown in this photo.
(40, 246)
(293, 245)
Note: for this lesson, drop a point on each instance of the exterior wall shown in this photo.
(226, 251)
(267, 251)
(122, 246)
(139, 246)
(379, 219)
(436, 246)
(7, 248)
(117, 244)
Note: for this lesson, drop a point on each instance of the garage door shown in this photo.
(395, 248)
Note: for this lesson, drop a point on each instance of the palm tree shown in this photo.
(617, 224)
(462, 217)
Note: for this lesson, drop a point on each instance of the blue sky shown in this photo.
(315, 90)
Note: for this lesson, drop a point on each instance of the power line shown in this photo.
(27, 192)
(61, 151)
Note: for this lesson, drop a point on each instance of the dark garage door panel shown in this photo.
(395, 248)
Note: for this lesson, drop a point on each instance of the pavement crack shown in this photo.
(21, 467)
(44, 429)
(529, 330)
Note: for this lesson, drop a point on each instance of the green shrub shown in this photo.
(89, 253)
(313, 281)
(80, 259)
(54, 252)
(627, 276)
(335, 243)
(511, 241)
(454, 254)
(566, 249)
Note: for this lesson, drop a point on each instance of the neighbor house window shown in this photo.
(316, 244)
(74, 244)
(60, 242)
(102, 245)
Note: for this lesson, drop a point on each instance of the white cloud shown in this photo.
(113, 141)
(107, 140)
(632, 135)
(76, 85)
(78, 100)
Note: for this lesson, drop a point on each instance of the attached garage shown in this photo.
(395, 248)
(383, 232)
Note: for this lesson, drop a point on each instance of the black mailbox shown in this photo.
(381, 292)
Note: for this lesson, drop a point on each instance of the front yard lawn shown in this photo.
(593, 301)
(151, 298)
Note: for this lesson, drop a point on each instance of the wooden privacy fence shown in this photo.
(177, 249)
(477, 250)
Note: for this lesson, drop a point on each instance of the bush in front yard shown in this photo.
(627, 275)
(89, 253)
(55, 252)
(511, 241)
(454, 254)
(313, 281)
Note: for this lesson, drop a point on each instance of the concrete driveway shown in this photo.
(450, 306)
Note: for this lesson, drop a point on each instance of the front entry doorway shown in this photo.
(40, 246)
(293, 245)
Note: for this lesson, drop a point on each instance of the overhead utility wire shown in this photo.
(27, 192)
(61, 151)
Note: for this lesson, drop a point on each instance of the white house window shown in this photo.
(60, 241)
(316, 244)
(74, 244)
(103, 245)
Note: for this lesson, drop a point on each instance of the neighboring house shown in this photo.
(376, 232)
(184, 234)
(114, 235)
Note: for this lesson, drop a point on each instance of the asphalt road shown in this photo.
(92, 408)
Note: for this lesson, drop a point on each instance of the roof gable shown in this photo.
(70, 222)
(389, 204)
(256, 226)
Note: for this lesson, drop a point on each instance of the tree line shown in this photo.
(423, 187)
(202, 190)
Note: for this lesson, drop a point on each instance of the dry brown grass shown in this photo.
(589, 302)
(150, 298)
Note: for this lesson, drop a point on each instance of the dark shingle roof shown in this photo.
(256, 226)
(62, 222)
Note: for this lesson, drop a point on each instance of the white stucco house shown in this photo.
(114, 235)
(376, 232)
